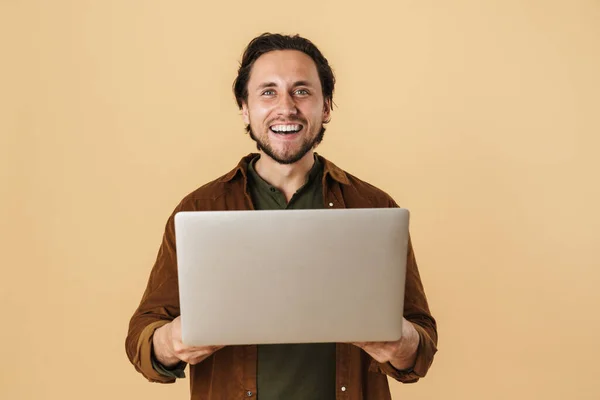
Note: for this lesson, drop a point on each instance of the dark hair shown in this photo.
(268, 42)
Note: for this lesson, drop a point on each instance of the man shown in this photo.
(284, 88)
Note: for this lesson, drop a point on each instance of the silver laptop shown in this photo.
(291, 276)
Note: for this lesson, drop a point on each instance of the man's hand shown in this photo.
(401, 353)
(169, 350)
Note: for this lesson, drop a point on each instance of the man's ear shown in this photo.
(327, 110)
(245, 113)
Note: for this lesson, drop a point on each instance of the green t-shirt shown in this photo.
(293, 371)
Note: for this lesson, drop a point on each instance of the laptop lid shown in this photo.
(291, 276)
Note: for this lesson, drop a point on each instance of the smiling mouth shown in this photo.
(286, 129)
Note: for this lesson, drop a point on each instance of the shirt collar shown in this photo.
(329, 168)
(312, 174)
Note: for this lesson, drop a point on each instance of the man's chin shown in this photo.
(285, 158)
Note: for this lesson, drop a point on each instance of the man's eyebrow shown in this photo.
(267, 85)
(302, 83)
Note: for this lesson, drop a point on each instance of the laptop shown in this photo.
(291, 276)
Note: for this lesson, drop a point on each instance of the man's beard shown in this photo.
(292, 158)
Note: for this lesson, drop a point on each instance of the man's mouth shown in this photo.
(286, 129)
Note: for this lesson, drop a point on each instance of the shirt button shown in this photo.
(273, 189)
(330, 204)
(343, 388)
(249, 393)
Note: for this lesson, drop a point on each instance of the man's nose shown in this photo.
(287, 105)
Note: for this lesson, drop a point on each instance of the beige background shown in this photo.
(482, 117)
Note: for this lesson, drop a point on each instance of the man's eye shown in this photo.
(268, 93)
(302, 91)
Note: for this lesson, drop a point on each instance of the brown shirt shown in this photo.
(230, 373)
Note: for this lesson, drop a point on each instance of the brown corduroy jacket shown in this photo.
(230, 373)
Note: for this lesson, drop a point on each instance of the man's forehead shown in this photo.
(284, 65)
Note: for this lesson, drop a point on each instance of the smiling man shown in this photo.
(285, 89)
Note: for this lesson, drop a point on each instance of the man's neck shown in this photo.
(286, 177)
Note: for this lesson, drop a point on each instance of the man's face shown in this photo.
(285, 107)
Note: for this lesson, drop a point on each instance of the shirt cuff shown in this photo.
(404, 376)
(424, 359)
(175, 372)
(402, 371)
(144, 356)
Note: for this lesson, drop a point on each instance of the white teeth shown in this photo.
(285, 128)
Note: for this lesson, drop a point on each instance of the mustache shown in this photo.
(290, 119)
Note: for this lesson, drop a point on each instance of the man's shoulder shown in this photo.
(377, 196)
(211, 195)
(355, 188)
(211, 190)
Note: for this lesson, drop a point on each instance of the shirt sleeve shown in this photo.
(158, 306)
(416, 310)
